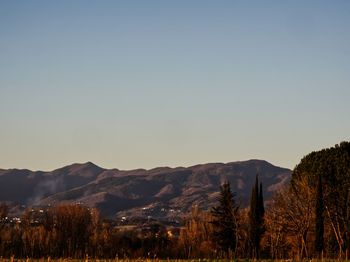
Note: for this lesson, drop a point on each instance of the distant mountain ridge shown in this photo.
(161, 192)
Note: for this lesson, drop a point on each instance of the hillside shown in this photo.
(160, 192)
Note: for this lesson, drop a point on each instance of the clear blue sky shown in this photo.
(131, 84)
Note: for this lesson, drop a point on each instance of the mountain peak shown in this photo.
(90, 165)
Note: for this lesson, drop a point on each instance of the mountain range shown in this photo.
(161, 192)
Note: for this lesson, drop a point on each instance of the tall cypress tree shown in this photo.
(256, 219)
(319, 219)
(225, 219)
(261, 202)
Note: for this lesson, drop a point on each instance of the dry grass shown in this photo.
(12, 259)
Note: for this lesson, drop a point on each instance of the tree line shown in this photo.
(75, 231)
(309, 218)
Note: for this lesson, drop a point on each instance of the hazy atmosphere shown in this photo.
(131, 84)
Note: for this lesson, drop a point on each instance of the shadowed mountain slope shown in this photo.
(160, 192)
(23, 186)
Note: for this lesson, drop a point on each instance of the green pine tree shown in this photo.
(225, 219)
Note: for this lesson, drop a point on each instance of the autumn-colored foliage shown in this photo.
(308, 219)
(75, 231)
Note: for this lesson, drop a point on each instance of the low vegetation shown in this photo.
(150, 260)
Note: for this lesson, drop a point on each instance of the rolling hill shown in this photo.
(160, 193)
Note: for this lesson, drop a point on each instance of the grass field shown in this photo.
(157, 260)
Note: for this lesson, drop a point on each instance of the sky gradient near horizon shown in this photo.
(130, 84)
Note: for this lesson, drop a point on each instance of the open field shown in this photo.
(161, 260)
